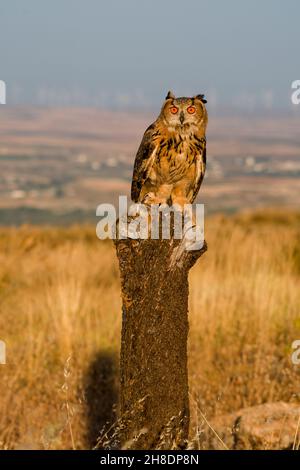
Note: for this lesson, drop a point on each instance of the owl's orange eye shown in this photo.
(191, 109)
(174, 110)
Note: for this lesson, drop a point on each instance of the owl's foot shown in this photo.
(151, 198)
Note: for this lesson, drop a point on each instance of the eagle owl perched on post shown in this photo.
(170, 163)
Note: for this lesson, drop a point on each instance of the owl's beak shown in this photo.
(181, 117)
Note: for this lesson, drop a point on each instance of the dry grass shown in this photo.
(60, 319)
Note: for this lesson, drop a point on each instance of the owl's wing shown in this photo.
(201, 165)
(143, 163)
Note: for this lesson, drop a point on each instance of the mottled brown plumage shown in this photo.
(170, 163)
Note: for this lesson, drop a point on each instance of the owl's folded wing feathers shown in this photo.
(143, 163)
(201, 165)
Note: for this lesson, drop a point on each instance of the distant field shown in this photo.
(68, 160)
(60, 317)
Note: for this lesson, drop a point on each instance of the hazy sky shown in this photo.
(130, 52)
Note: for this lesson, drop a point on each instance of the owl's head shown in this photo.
(183, 113)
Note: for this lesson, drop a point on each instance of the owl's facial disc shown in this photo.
(183, 113)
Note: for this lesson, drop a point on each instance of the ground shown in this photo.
(60, 313)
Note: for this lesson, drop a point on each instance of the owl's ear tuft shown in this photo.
(170, 96)
(201, 98)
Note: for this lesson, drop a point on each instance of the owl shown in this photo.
(170, 163)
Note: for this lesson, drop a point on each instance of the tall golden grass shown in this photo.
(60, 313)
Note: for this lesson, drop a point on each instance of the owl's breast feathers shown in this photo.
(166, 157)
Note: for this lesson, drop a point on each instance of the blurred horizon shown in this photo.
(58, 164)
(126, 55)
(85, 79)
